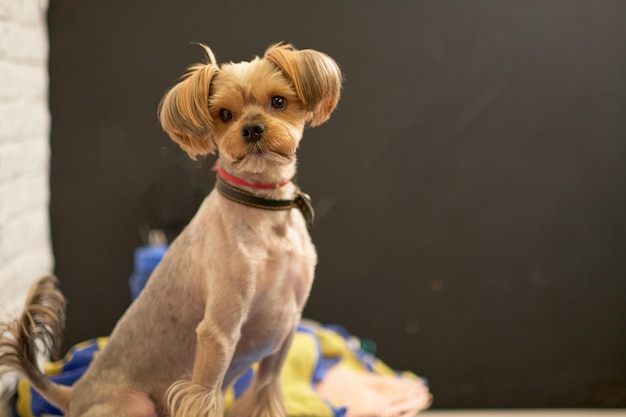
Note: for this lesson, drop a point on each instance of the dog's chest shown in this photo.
(282, 262)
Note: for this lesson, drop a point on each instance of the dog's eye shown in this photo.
(226, 114)
(279, 103)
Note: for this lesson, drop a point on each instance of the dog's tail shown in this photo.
(40, 326)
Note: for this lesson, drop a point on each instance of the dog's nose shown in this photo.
(253, 132)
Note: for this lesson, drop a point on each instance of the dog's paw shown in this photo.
(266, 403)
(186, 399)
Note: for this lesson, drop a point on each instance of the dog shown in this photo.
(232, 286)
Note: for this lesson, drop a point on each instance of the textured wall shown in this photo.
(25, 249)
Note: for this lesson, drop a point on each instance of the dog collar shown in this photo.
(259, 185)
(301, 199)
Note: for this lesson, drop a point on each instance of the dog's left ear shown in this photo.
(316, 78)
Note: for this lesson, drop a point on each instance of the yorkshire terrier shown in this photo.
(232, 286)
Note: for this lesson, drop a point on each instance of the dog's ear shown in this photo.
(184, 110)
(316, 78)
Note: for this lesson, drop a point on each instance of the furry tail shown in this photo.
(40, 326)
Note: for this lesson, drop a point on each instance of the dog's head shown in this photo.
(254, 112)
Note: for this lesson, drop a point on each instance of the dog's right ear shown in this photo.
(184, 110)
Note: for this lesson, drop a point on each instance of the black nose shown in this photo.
(253, 132)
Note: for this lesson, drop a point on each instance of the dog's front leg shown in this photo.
(217, 338)
(264, 398)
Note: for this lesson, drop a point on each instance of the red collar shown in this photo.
(259, 185)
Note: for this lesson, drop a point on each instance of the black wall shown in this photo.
(470, 187)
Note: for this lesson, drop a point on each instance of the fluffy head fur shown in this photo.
(212, 105)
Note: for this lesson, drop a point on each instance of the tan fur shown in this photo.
(316, 78)
(4, 408)
(231, 288)
(5, 403)
(41, 321)
(183, 111)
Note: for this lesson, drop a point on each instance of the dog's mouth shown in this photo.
(259, 159)
(260, 150)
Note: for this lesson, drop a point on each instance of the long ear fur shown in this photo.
(316, 77)
(184, 110)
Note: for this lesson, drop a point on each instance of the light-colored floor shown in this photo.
(527, 413)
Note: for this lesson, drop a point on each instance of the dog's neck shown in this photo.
(283, 195)
(273, 183)
(254, 185)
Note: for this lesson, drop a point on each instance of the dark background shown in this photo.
(470, 187)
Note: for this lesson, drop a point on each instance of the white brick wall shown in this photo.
(25, 248)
